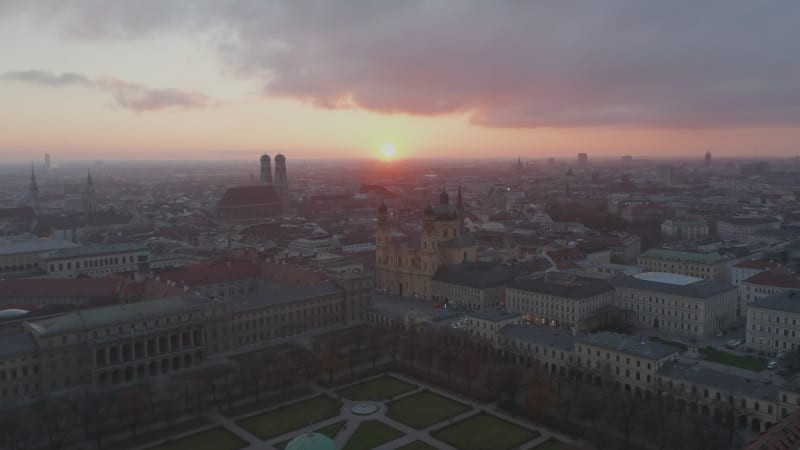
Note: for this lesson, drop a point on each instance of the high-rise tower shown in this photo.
(34, 192)
(281, 183)
(47, 163)
(266, 170)
(708, 158)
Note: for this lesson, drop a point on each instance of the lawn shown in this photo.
(381, 388)
(289, 418)
(371, 434)
(424, 409)
(417, 445)
(153, 436)
(214, 439)
(484, 431)
(331, 431)
(555, 444)
(729, 359)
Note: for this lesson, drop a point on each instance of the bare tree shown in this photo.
(133, 408)
(330, 355)
(469, 365)
(540, 393)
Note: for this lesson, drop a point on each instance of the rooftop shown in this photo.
(699, 290)
(477, 274)
(724, 381)
(684, 255)
(86, 319)
(667, 278)
(275, 294)
(788, 301)
(553, 337)
(564, 285)
(494, 314)
(94, 250)
(633, 345)
(776, 279)
(248, 196)
(12, 247)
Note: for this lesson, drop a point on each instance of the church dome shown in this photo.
(265, 158)
(280, 158)
(311, 441)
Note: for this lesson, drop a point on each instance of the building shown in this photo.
(281, 181)
(631, 361)
(559, 299)
(764, 284)
(485, 323)
(708, 265)
(406, 267)
(252, 204)
(773, 322)
(684, 229)
(474, 284)
(678, 304)
(583, 159)
(97, 260)
(266, 170)
(784, 435)
(743, 228)
(26, 257)
(719, 394)
(122, 344)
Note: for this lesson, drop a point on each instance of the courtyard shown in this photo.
(407, 415)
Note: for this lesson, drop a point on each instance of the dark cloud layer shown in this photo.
(717, 63)
(127, 95)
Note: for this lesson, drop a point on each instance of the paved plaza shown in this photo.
(394, 425)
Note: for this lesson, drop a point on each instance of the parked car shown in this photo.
(733, 343)
(772, 364)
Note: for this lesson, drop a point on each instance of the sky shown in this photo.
(229, 79)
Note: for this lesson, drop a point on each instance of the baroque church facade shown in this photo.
(406, 265)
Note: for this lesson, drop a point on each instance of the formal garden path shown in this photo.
(411, 415)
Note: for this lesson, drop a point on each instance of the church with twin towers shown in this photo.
(257, 203)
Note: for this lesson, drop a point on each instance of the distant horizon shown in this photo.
(186, 80)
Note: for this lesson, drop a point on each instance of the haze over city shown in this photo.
(399, 225)
(223, 80)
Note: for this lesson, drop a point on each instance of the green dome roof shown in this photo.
(311, 441)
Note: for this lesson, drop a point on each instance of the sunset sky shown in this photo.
(228, 79)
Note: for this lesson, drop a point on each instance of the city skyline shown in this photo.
(196, 80)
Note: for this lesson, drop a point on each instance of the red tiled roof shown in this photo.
(784, 435)
(25, 212)
(248, 196)
(773, 278)
(758, 264)
(221, 272)
(62, 287)
(292, 274)
(566, 255)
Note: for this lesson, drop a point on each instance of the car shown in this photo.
(772, 364)
(733, 343)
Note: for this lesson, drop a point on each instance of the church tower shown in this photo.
(90, 207)
(34, 192)
(281, 182)
(266, 170)
(460, 210)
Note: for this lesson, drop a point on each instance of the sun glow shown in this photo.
(388, 150)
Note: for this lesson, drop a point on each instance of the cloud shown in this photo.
(135, 97)
(46, 78)
(141, 98)
(680, 64)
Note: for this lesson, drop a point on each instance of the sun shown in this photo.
(388, 150)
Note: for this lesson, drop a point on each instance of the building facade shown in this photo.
(710, 265)
(678, 304)
(773, 322)
(406, 267)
